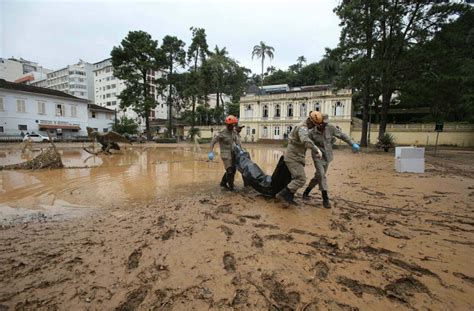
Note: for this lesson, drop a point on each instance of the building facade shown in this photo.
(76, 80)
(270, 112)
(108, 88)
(21, 70)
(25, 108)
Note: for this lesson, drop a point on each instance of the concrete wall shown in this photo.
(461, 135)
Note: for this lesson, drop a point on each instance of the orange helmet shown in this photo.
(316, 117)
(231, 120)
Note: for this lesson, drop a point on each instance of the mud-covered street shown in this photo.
(150, 228)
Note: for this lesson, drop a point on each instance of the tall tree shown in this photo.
(225, 75)
(301, 60)
(132, 60)
(172, 55)
(261, 51)
(375, 36)
(197, 52)
(356, 49)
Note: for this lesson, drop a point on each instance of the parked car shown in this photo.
(36, 138)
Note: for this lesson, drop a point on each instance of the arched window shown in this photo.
(265, 111)
(248, 111)
(288, 129)
(290, 110)
(265, 132)
(317, 107)
(338, 109)
(277, 131)
(303, 110)
(277, 111)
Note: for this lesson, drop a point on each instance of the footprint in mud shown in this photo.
(279, 294)
(280, 237)
(359, 288)
(321, 270)
(134, 259)
(134, 299)
(257, 241)
(227, 231)
(240, 297)
(168, 234)
(229, 262)
(404, 288)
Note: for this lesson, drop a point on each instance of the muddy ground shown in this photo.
(391, 240)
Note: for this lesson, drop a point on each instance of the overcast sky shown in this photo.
(58, 33)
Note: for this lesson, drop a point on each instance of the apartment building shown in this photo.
(270, 112)
(21, 70)
(108, 88)
(76, 80)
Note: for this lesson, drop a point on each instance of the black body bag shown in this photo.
(255, 177)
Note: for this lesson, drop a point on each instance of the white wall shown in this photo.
(101, 121)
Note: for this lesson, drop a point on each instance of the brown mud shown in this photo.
(157, 233)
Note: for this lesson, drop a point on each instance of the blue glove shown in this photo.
(210, 155)
(356, 147)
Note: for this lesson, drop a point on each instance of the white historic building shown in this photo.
(76, 80)
(25, 108)
(108, 88)
(270, 112)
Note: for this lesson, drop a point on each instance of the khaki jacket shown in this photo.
(324, 140)
(225, 138)
(298, 142)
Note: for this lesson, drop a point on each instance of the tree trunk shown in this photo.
(170, 106)
(147, 109)
(193, 115)
(263, 58)
(365, 122)
(386, 97)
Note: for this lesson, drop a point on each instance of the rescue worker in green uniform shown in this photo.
(226, 138)
(298, 142)
(323, 136)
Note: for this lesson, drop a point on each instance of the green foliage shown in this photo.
(299, 75)
(125, 125)
(447, 86)
(386, 141)
(375, 37)
(137, 55)
(224, 75)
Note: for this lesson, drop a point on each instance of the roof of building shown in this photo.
(36, 90)
(283, 88)
(99, 108)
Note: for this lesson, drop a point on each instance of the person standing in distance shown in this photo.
(295, 154)
(226, 138)
(323, 135)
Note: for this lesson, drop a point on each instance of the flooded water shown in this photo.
(137, 174)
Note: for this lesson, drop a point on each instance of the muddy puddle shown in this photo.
(136, 174)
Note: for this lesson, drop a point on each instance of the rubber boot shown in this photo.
(230, 179)
(287, 195)
(224, 181)
(326, 203)
(306, 193)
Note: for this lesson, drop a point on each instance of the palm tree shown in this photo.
(261, 51)
(301, 60)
